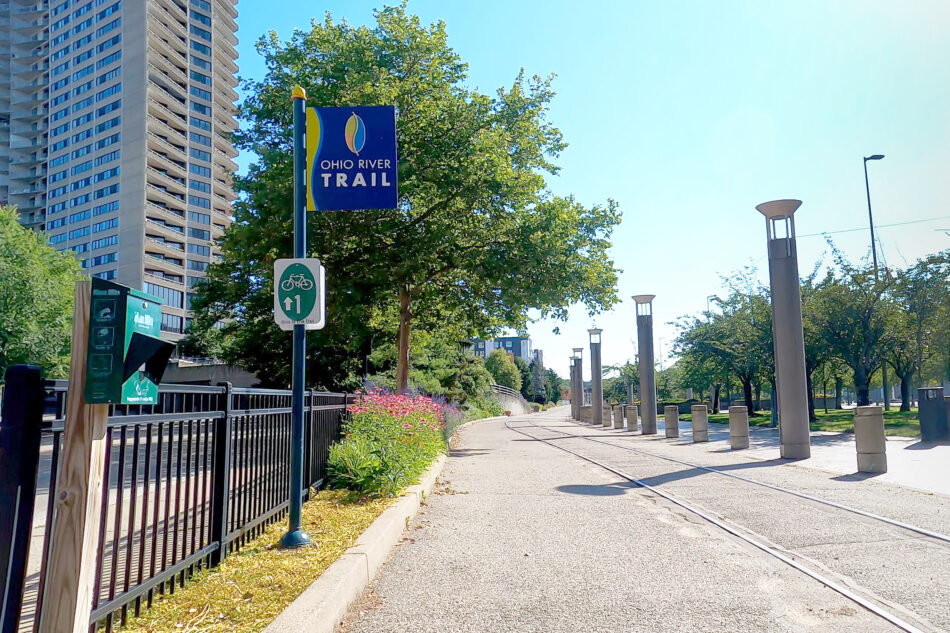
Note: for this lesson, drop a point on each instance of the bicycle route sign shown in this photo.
(299, 293)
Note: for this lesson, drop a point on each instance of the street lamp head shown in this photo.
(644, 298)
(873, 157)
(594, 335)
(578, 352)
(778, 209)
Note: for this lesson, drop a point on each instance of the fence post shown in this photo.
(77, 511)
(220, 491)
(19, 462)
(309, 429)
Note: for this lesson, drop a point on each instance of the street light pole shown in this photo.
(867, 188)
(884, 386)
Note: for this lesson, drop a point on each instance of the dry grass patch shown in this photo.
(246, 592)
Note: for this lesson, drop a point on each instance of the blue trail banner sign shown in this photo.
(351, 158)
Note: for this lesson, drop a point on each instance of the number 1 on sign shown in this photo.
(297, 299)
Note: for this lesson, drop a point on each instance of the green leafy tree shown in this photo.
(36, 298)
(525, 370)
(474, 212)
(539, 390)
(553, 385)
(852, 319)
(503, 369)
(916, 302)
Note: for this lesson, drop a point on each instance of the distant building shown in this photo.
(515, 345)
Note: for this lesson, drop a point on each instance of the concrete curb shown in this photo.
(324, 603)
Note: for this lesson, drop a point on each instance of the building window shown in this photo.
(168, 296)
(171, 323)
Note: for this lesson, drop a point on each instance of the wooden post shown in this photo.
(70, 569)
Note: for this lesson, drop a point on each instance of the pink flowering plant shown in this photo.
(389, 442)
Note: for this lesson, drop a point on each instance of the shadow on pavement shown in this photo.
(466, 452)
(856, 476)
(602, 490)
(924, 446)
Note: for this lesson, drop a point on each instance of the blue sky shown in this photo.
(691, 113)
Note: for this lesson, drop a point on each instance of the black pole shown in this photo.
(19, 464)
(867, 188)
(885, 395)
(295, 536)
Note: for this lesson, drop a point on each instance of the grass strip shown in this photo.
(896, 423)
(246, 592)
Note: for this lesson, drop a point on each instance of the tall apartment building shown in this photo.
(114, 124)
(519, 346)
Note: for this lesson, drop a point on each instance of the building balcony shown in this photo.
(174, 250)
(158, 276)
(158, 261)
(163, 161)
(161, 13)
(164, 128)
(163, 228)
(170, 216)
(171, 200)
(224, 145)
(165, 64)
(163, 80)
(158, 144)
(155, 177)
(168, 100)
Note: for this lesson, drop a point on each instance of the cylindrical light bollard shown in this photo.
(632, 417)
(576, 386)
(700, 423)
(606, 419)
(738, 427)
(645, 353)
(672, 418)
(618, 416)
(869, 439)
(787, 332)
(587, 414)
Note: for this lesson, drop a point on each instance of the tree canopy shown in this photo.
(36, 298)
(477, 242)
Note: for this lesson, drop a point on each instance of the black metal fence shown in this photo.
(186, 482)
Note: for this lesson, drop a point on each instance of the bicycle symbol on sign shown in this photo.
(296, 281)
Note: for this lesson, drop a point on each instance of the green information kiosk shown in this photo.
(126, 357)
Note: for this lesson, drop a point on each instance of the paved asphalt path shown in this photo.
(523, 537)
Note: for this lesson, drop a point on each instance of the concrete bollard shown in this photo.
(587, 414)
(618, 416)
(739, 427)
(869, 439)
(700, 423)
(606, 419)
(671, 414)
(632, 417)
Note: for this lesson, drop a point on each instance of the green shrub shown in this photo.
(485, 406)
(389, 442)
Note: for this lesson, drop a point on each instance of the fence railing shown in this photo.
(185, 483)
(511, 399)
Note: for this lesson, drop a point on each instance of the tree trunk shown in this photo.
(715, 398)
(861, 386)
(824, 394)
(747, 393)
(402, 359)
(811, 398)
(905, 391)
(758, 396)
(839, 386)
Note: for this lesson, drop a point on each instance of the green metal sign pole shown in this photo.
(295, 536)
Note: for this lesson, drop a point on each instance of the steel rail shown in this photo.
(834, 504)
(831, 584)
